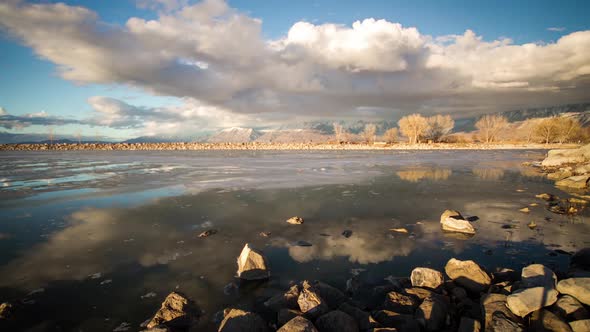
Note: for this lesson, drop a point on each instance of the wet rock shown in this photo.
(538, 275)
(286, 315)
(333, 296)
(580, 325)
(544, 320)
(265, 234)
(295, 220)
(298, 324)
(208, 233)
(425, 277)
(287, 299)
(532, 225)
(469, 325)
(576, 287)
(402, 303)
(575, 182)
(237, 320)
(453, 221)
(310, 302)
(401, 322)
(336, 321)
(496, 314)
(252, 264)
(362, 318)
(569, 308)
(347, 233)
(432, 314)
(524, 301)
(468, 274)
(176, 311)
(547, 197)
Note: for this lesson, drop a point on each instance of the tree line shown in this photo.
(416, 128)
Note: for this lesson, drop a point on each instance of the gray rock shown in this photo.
(298, 324)
(176, 311)
(425, 277)
(285, 315)
(576, 287)
(287, 299)
(580, 325)
(537, 275)
(336, 321)
(544, 320)
(524, 301)
(252, 264)
(496, 304)
(401, 322)
(237, 320)
(402, 303)
(469, 325)
(468, 274)
(569, 308)
(432, 314)
(453, 221)
(310, 302)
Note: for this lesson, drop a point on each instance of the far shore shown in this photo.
(277, 146)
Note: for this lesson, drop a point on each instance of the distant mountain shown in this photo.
(167, 139)
(11, 138)
(235, 135)
(293, 136)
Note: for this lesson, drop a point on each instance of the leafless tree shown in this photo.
(390, 135)
(339, 132)
(490, 126)
(568, 129)
(439, 126)
(547, 130)
(369, 133)
(413, 127)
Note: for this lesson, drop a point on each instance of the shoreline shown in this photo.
(192, 146)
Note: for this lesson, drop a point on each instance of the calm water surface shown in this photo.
(90, 240)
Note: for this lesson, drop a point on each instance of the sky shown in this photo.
(127, 68)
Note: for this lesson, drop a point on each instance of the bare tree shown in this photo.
(490, 126)
(547, 130)
(413, 127)
(567, 129)
(390, 135)
(439, 126)
(369, 133)
(339, 132)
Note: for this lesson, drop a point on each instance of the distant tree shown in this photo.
(413, 127)
(390, 135)
(547, 130)
(369, 133)
(490, 126)
(439, 126)
(50, 135)
(339, 132)
(568, 129)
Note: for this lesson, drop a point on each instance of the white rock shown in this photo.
(524, 301)
(252, 264)
(576, 287)
(425, 277)
(453, 221)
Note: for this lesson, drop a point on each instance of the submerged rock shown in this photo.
(237, 320)
(336, 321)
(295, 220)
(252, 264)
(468, 274)
(176, 311)
(298, 324)
(425, 277)
(524, 301)
(576, 287)
(453, 221)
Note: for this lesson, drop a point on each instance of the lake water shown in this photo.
(91, 240)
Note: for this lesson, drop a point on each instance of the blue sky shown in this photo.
(31, 83)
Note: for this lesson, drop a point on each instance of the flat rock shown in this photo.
(310, 302)
(176, 311)
(432, 314)
(524, 301)
(287, 299)
(336, 321)
(468, 274)
(569, 308)
(580, 325)
(401, 322)
(469, 325)
(453, 221)
(237, 320)
(538, 275)
(425, 277)
(252, 264)
(576, 182)
(544, 320)
(402, 303)
(576, 287)
(298, 324)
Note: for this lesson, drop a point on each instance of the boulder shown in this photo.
(496, 314)
(252, 264)
(333, 296)
(401, 322)
(402, 303)
(295, 220)
(362, 318)
(176, 311)
(298, 324)
(524, 301)
(544, 320)
(432, 314)
(420, 293)
(425, 277)
(5, 310)
(453, 221)
(336, 321)
(580, 325)
(575, 182)
(576, 287)
(537, 275)
(469, 325)
(287, 299)
(310, 302)
(501, 322)
(285, 315)
(570, 309)
(237, 320)
(468, 274)
(558, 157)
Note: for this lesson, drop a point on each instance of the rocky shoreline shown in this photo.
(569, 168)
(194, 146)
